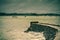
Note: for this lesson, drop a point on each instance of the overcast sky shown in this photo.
(35, 6)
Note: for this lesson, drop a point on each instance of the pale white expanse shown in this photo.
(12, 28)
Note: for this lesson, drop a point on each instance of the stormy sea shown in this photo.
(29, 27)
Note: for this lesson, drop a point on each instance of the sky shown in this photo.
(30, 6)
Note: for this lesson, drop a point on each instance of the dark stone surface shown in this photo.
(49, 32)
